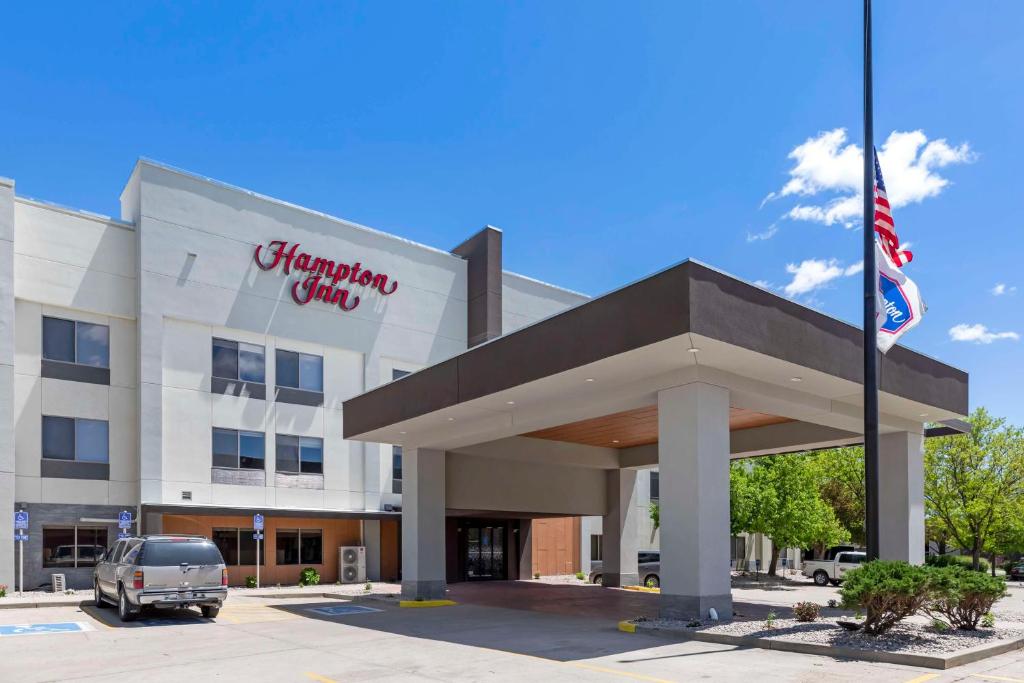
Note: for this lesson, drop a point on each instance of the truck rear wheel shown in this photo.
(821, 577)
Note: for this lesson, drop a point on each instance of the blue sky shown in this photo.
(608, 140)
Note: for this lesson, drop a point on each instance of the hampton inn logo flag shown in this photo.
(900, 306)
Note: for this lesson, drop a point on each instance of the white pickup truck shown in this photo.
(825, 572)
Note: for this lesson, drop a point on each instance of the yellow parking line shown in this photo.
(989, 677)
(922, 679)
(320, 679)
(626, 674)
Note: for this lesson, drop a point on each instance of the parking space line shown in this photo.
(922, 679)
(990, 677)
(317, 677)
(617, 672)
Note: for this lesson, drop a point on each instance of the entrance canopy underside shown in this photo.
(583, 384)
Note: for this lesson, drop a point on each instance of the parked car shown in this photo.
(162, 572)
(825, 572)
(1015, 572)
(648, 566)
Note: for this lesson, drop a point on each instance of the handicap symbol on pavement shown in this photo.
(338, 610)
(42, 629)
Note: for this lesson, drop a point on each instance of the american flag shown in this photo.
(884, 226)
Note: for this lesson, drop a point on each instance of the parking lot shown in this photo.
(503, 632)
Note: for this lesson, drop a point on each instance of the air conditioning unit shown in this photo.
(352, 564)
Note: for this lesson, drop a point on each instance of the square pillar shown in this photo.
(901, 497)
(525, 550)
(423, 524)
(693, 461)
(620, 529)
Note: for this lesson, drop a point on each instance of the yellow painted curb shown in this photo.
(426, 603)
(642, 589)
(627, 627)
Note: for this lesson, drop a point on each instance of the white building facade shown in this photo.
(187, 362)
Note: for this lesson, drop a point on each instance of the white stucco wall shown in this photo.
(525, 301)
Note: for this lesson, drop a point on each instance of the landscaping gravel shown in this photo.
(905, 637)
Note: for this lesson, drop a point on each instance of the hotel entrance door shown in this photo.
(485, 551)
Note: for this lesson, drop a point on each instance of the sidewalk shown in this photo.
(75, 598)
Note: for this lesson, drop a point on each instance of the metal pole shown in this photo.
(258, 534)
(21, 568)
(871, 503)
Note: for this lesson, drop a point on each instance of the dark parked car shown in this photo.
(648, 566)
(1016, 572)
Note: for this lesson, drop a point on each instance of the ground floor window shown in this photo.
(596, 551)
(737, 548)
(300, 546)
(238, 546)
(68, 547)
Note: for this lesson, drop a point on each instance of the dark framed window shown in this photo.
(75, 439)
(238, 361)
(396, 451)
(596, 549)
(238, 449)
(238, 546)
(655, 486)
(73, 341)
(300, 454)
(299, 370)
(68, 547)
(299, 546)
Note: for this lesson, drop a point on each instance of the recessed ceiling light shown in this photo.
(401, 432)
(615, 440)
(693, 349)
(590, 379)
(924, 415)
(511, 403)
(451, 419)
(796, 379)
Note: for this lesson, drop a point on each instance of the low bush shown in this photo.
(886, 592)
(536, 575)
(250, 582)
(580, 576)
(309, 577)
(956, 561)
(962, 598)
(806, 611)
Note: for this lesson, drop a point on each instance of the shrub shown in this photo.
(955, 561)
(962, 598)
(886, 592)
(769, 622)
(580, 576)
(309, 577)
(368, 587)
(250, 582)
(536, 575)
(989, 620)
(3, 590)
(806, 611)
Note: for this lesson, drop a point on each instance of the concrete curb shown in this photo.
(426, 603)
(20, 603)
(71, 602)
(968, 656)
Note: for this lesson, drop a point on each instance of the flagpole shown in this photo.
(871, 502)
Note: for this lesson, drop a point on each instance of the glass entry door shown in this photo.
(485, 552)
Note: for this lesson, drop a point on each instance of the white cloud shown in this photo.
(767, 234)
(1001, 289)
(812, 274)
(829, 164)
(979, 334)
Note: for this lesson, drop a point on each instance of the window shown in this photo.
(238, 360)
(300, 546)
(78, 439)
(71, 341)
(175, 553)
(655, 486)
(238, 450)
(596, 551)
(297, 454)
(73, 546)
(299, 371)
(737, 548)
(238, 546)
(396, 451)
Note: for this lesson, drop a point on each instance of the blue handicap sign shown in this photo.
(42, 629)
(20, 519)
(257, 537)
(338, 610)
(257, 522)
(124, 520)
(20, 536)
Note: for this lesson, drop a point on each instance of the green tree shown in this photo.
(840, 476)
(778, 496)
(974, 482)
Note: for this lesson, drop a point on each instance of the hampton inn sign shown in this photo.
(319, 278)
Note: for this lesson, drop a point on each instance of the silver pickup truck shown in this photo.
(162, 571)
(831, 571)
